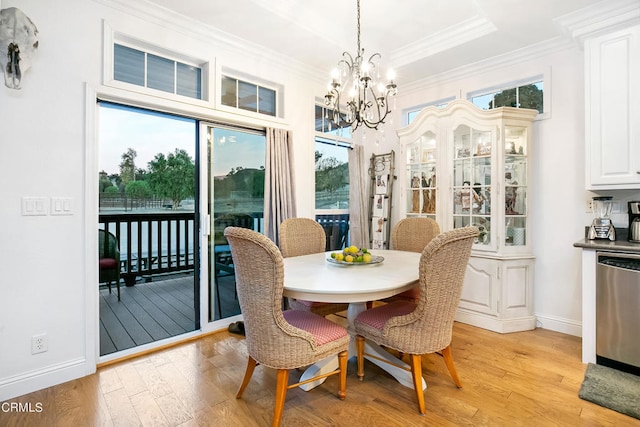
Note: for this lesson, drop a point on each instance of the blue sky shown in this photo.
(146, 132)
(150, 133)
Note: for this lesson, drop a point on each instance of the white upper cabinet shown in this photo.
(612, 110)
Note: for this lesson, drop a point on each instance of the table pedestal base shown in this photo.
(378, 356)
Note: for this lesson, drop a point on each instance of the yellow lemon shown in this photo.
(366, 257)
(353, 249)
(339, 257)
(348, 258)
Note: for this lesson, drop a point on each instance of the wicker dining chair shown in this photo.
(278, 339)
(304, 236)
(412, 234)
(426, 326)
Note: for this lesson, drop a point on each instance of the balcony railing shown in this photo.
(166, 242)
(153, 243)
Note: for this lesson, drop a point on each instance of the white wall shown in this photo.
(49, 273)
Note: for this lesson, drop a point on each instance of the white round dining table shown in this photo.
(315, 278)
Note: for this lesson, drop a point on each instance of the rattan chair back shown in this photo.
(301, 236)
(443, 264)
(413, 233)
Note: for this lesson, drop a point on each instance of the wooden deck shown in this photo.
(155, 310)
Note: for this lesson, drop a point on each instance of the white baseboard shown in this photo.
(37, 380)
(494, 324)
(553, 323)
(558, 324)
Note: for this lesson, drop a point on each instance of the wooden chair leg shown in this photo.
(448, 360)
(416, 373)
(251, 365)
(360, 356)
(281, 392)
(118, 286)
(342, 363)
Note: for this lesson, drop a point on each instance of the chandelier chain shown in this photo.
(358, 27)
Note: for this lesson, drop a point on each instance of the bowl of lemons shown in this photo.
(354, 255)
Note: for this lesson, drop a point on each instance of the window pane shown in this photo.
(189, 81)
(128, 65)
(483, 101)
(530, 96)
(506, 98)
(229, 93)
(325, 122)
(332, 176)
(267, 99)
(319, 118)
(236, 198)
(247, 96)
(160, 73)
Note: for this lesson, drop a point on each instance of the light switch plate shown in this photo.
(61, 206)
(35, 206)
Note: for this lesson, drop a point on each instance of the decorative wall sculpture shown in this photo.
(18, 44)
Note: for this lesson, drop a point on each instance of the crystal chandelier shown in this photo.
(367, 97)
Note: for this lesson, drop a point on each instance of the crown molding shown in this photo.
(604, 16)
(168, 19)
(525, 54)
(441, 41)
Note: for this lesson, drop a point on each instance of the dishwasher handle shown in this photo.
(620, 260)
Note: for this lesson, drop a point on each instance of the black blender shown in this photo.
(602, 227)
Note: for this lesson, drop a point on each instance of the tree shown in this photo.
(173, 176)
(529, 96)
(138, 190)
(104, 182)
(128, 166)
(331, 174)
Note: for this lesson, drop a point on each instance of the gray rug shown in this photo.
(612, 389)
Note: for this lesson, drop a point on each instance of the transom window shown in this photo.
(521, 96)
(248, 96)
(145, 69)
(413, 112)
(329, 124)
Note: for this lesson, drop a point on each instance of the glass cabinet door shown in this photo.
(421, 176)
(472, 180)
(515, 182)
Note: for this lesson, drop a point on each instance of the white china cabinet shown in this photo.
(466, 166)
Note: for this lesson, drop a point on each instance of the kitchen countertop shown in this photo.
(621, 244)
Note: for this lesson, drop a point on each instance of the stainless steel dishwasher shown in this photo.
(618, 311)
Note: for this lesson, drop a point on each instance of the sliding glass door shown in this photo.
(149, 244)
(236, 172)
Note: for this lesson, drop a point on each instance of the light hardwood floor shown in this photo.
(519, 379)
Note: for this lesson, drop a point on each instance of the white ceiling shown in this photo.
(417, 38)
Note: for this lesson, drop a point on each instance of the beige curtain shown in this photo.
(358, 198)
(279, 197)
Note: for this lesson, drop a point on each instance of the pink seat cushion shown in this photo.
(377, 317)
(107, 263)
(323, 330)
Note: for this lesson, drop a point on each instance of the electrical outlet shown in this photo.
(589, 206)
(39, 343)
